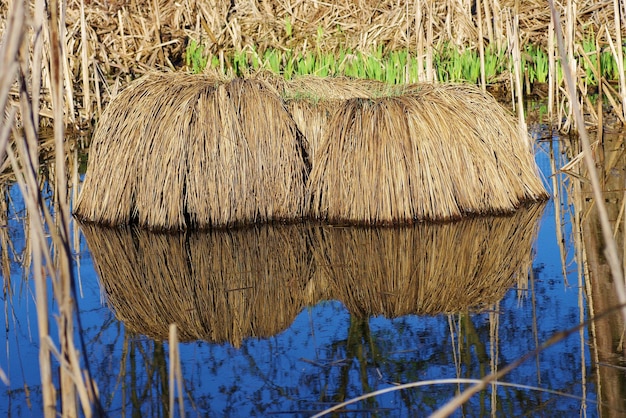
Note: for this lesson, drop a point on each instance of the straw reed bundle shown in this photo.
(427, 268)
(435, 152)
(215, 286)
(313, 102)
(175, 150)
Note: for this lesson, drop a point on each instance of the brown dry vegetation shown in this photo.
(436, 152)
(176, 150)
(119, 40)
(215, 286)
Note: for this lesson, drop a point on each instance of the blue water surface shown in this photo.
(326, 355)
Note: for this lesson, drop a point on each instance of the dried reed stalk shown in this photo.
(611, 253)
(430, 72)
(421, 49)
(5, 243)
(552, 87)
(516, 58)
(175, 373)
(63, 285)
(175, 150)
(14, 41)
(434, 153)
(481, 46)
(47, 230)
(618, 55)
(402, 271)
(214, 286)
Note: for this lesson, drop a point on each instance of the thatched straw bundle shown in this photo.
(314, 101)
(427, 268)
(176, 150)
(219, 286)
(436, 152)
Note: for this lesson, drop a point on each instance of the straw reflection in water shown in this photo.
(228, 285)
(427, 269)
(216, 286)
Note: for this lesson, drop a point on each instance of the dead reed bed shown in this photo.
(176, 150)
(122, 34)
(437, 152)
(218, 286)
(108, 43)
(427, 269)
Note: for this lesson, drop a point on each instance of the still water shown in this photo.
(290, 320)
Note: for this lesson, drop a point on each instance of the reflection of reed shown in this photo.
(226, 285)
(5, 261)
(427, 269)
(217, 286)
(607, 333)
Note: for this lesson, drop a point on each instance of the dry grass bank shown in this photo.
(107, 43)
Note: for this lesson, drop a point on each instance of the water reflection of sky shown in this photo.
(325, 356)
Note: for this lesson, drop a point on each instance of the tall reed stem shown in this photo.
(607, 233)
(552, 88)
(619, 54)
(481, 47)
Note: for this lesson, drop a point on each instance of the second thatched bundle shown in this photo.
(314, 101)
(431, 152)
(176, 150)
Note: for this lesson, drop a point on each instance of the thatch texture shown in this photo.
(176, 150)
(436, 152)
(229, 285)
(218, 286)
(314, 101)
(427, 269)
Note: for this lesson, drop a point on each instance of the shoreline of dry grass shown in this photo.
(108, 43)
